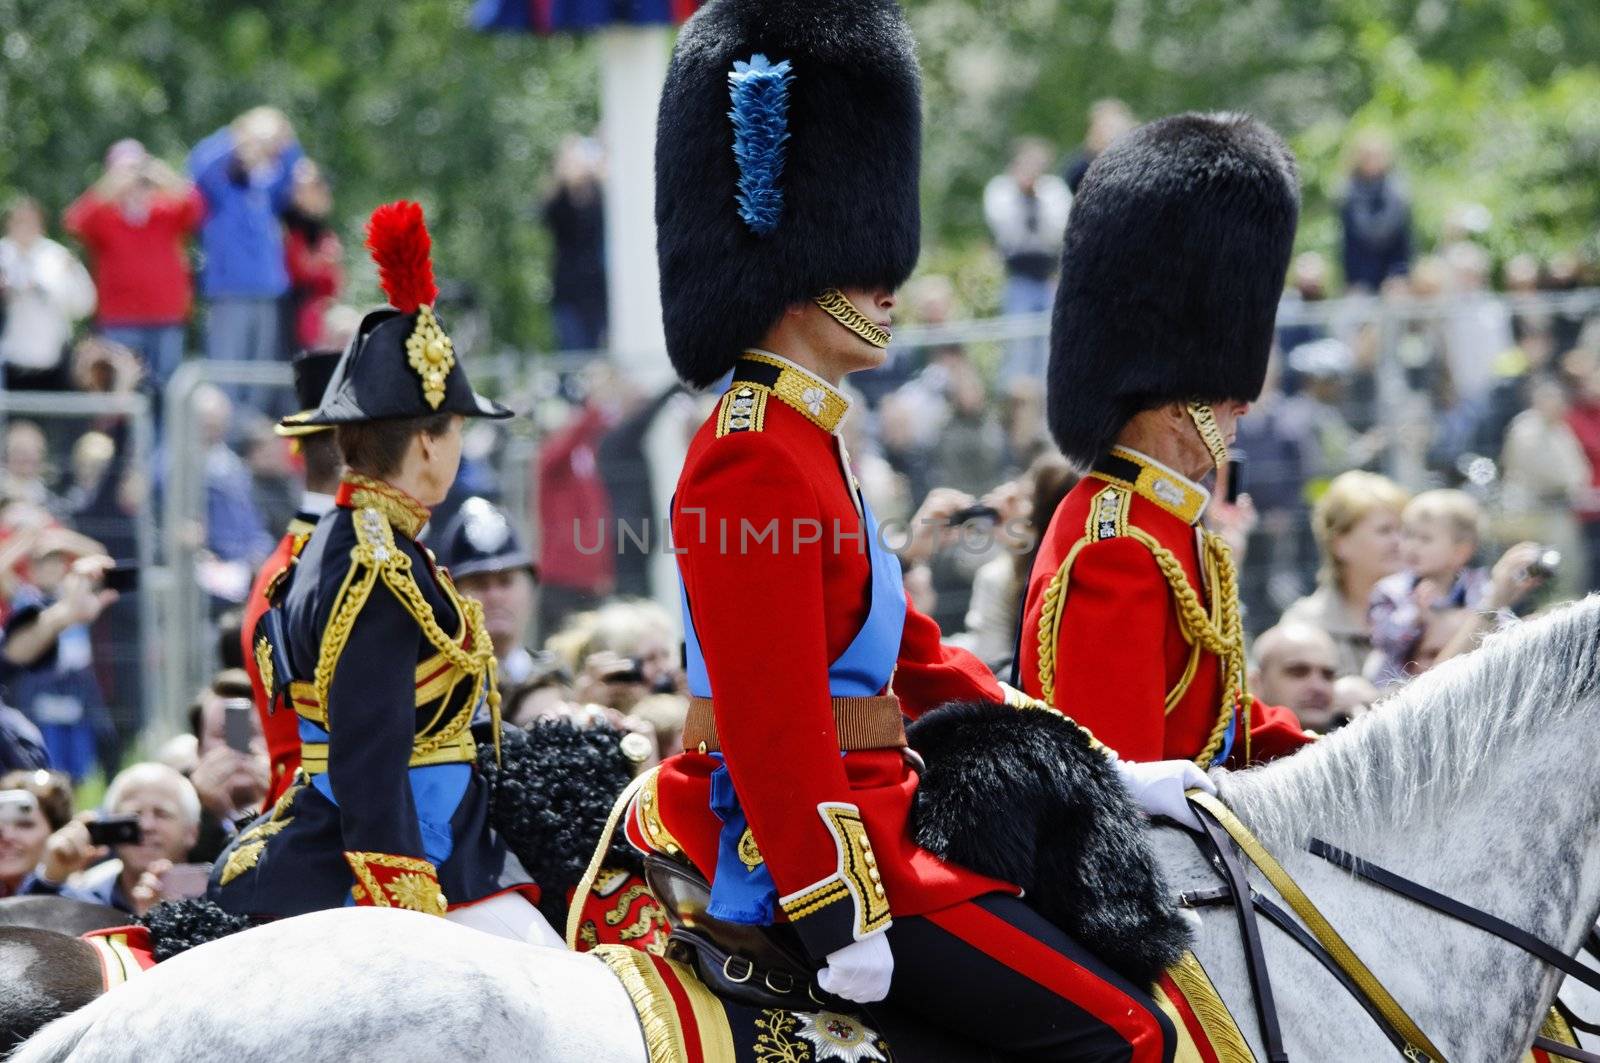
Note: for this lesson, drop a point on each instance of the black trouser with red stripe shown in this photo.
(994, 971)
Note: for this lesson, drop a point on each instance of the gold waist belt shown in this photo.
(861, 723)
(460, 750)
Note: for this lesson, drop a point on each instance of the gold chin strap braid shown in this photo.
(845, 313)
(1205, 422)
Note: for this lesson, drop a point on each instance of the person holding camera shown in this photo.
(147, 825)
(46, 660)
(245, 171)
(136, 222)
(33, 804)
(44, 292)
(231, 773)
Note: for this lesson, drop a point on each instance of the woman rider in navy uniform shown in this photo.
(382, 661)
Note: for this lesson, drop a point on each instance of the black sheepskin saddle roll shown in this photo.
(1020, 795)
(552, 791)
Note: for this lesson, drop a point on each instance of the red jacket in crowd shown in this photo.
(577, 544)
(316, 273)
(140, 267)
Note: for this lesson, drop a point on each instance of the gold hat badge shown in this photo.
(431, 355)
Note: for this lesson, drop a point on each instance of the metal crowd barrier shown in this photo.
(45, 407)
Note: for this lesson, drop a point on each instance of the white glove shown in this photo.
(1158, 787)
(860, 971)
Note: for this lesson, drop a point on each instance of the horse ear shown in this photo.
(1021, 796)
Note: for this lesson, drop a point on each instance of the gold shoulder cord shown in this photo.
(375, 555)
(1220, 632)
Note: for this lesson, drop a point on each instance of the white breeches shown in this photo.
(508, 915)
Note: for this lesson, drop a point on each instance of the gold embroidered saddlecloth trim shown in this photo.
(117, 963)
(1209, 1010)
(663, 1028)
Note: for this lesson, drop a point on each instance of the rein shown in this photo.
(1324, 943)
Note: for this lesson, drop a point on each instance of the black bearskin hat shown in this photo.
(1175, 257)
(787, 159)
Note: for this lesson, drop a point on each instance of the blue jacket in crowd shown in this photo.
(242, 237)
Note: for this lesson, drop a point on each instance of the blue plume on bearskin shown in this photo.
(1021, 796)
(760, 116)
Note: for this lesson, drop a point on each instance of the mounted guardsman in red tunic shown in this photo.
(312, 371)
(1174, 265)
(787, 215)
(381, 661)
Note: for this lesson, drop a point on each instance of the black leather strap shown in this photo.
(1489, 924)
(1250, 932)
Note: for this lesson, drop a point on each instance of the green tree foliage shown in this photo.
(394, 99)
(1494, 102)
(1490, 101)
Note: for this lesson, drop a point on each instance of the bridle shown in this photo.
(1224, 837)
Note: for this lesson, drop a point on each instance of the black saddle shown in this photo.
(760, 966)
(764, 968)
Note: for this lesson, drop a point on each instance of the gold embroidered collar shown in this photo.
(1148, 478)
(401, 510)
(812, 397)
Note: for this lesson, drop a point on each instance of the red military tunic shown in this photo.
(770, 616)
(281, 729)
(1107, 638)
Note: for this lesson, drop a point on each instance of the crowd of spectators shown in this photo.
(113, 307)
(1424, 464)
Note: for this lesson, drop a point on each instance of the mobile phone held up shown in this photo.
(115, 830)
(124, 579)
(238, 723)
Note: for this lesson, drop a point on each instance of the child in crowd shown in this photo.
(1440, 531)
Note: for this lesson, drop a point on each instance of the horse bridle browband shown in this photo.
(1223, 830)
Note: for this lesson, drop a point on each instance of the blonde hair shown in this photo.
(623, 626)
(1458, 510)
(1350, 499)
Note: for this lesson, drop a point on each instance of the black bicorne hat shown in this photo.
(481, 538)
(787, 160)
(1175, 257)
(400, 363)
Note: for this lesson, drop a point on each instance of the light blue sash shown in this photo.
(747, 895)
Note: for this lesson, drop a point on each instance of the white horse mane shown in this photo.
(1437, 737)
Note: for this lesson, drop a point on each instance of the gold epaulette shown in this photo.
(743, 409)
(1108, 514)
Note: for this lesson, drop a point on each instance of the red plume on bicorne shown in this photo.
(400, 245)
